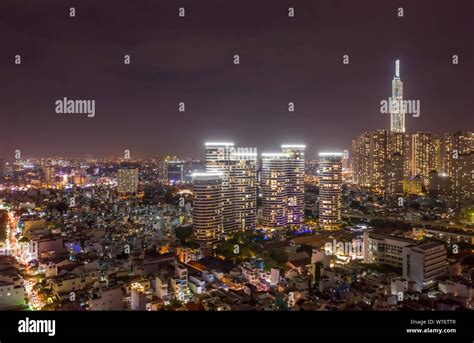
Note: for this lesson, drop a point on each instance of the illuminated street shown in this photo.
(20, 253)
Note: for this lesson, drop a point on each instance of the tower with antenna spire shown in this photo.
(397, 112)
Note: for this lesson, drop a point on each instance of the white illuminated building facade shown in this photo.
(295, 169)
(219, 160)
(238, 170)
(397, 113)
(244, 181)
(207, 208)
(330, 189)
(274, 188)
(216, 154)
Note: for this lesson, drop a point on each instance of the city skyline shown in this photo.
(169, 165)
(137, 104)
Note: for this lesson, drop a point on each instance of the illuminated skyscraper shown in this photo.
(380, 160)
(127, 179)
(238, 167)
(295, 168)
(398, 142)
(216, 154)
(395, 174)
(244, 182)
(208, 224)
(459, 164)
(274, 188)
(397, 113)
(425, 155)
(362, 162)
(330, 189)
(219, 159)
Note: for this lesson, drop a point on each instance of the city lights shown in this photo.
(264, 169)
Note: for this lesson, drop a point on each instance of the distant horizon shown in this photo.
(141, 156)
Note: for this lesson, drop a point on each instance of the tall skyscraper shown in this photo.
(274, 188)
(216, 155)
(459, 164)
(399, 143)
(127, 179)
(425, 155)
(395, 174)
(380, 160)
(238, 169)
(208, 225)
(381, 157)
(244, 181)
(397, 113)
(219, 159)
(295, 188)
(330, 189)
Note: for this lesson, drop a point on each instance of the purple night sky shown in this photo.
(191, 60)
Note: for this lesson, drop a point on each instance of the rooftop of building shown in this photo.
(428, 246)
(392, 237)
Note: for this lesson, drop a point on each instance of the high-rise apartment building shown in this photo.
(127, 179)
(208, 225)
(274, 189)
(216, 154)
(399, 144)
(425, 155)
(330, 189)
(459, 164)
(219, 159)
(395, 174)
(380, 160)
(238, 169)
(244, 181)
(295, 167)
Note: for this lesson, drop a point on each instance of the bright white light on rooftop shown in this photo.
(274, 154)
(206, 174)
(300, 146)
(330, 154)
(218, 144)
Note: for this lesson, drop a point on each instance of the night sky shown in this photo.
(191, 60)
